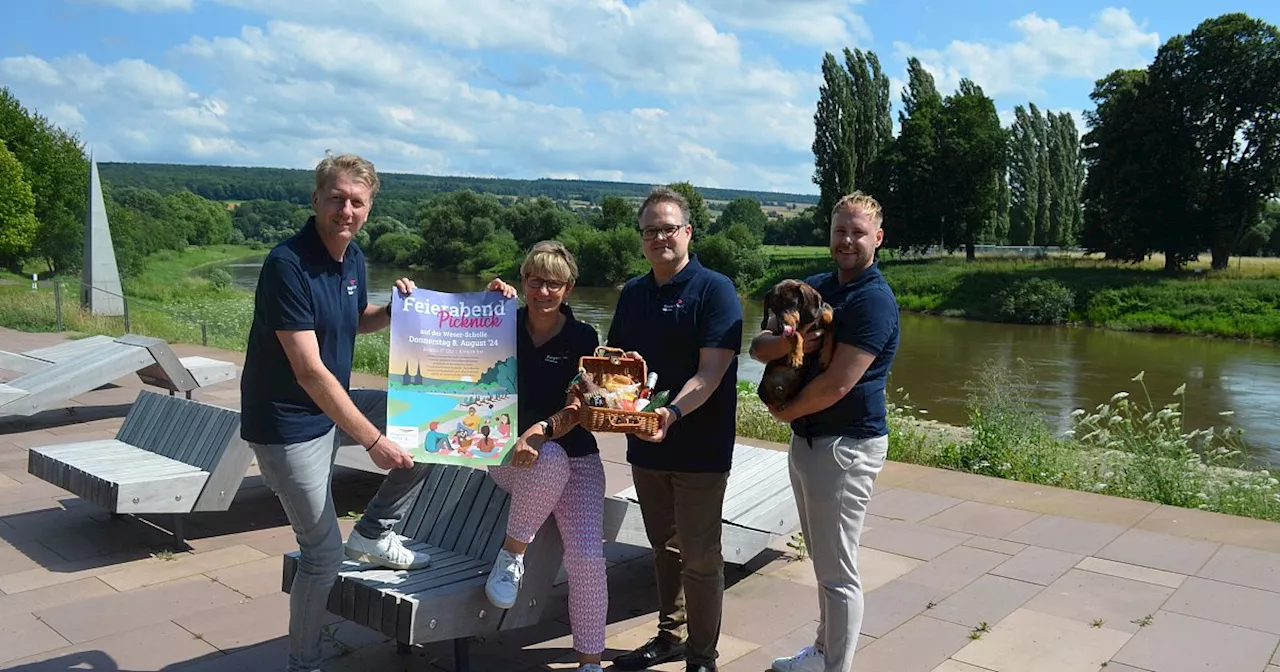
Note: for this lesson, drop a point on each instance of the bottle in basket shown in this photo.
(646, 394)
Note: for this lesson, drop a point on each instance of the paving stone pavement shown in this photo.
(963, 574)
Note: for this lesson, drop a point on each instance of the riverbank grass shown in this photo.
(1131, 446)
(1242, 301)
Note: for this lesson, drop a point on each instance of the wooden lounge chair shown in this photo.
(171, 456)
(57, 373)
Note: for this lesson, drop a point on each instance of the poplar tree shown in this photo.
(852, 127)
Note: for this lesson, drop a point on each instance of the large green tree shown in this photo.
(744, 211)
(972, 156)
(204, 222)
(18, 226)
(873, 116)
(55, 166)
(852, 126)
(530, 221)
(453, 226)
(699, 217)
(1222, 82)
(615, 211)
(915, 217)
(1140, 194)
(1025, 155)
(1046, 175)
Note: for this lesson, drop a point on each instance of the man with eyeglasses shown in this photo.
(685, 320)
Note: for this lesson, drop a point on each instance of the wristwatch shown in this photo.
(388, 310)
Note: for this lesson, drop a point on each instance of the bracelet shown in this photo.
(375, 442)
(675, 410)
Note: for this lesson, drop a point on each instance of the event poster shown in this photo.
(451, 389)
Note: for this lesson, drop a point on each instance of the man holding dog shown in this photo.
(839, 432)
(685, 321)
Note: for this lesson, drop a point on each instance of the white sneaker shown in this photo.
(504, 579)
(387, 551)
(808, 659)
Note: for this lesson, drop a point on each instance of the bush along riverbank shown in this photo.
(1130, 446)
(1236, 303)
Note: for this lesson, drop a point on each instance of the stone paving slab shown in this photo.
(962, 573)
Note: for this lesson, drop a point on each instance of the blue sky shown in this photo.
(719, 92)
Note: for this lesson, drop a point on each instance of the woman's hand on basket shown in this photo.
(664, 421)
(497, 285)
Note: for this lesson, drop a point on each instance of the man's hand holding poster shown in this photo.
(451, 388)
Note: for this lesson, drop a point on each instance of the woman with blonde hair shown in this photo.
(555, 465)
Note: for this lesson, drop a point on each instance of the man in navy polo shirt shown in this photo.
(685, 320)
(838, 423)
(297, 407)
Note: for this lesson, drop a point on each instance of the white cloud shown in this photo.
(1046, 49)
(283, 93)
(664, 47)
(826, 24)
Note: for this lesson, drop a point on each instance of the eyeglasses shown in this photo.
(538, 283)
(649, 233)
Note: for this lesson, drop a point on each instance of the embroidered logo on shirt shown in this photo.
(351, 287)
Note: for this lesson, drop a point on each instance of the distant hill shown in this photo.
(235, 183)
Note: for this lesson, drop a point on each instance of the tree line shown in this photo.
(1182, 157)
(234, 183)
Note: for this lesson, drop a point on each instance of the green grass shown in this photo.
(797, 252)
(1132, 446)
(171, 300)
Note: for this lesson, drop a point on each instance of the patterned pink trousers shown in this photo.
(572, 489)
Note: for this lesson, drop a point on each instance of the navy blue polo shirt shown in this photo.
(544, 374)
(866, 317)
(300, 288)
(667, 325)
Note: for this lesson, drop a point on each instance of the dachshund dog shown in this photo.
(789, 306)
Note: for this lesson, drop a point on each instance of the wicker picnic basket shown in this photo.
(609, 361)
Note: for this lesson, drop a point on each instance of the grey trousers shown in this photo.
(832, 477)
(299, 474)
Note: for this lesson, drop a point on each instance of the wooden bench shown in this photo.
(171, 456)
(459, 516)
(759, 506)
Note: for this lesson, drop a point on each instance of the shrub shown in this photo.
(218, 277)
(1035, 301)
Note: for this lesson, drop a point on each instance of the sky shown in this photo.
(717, 92)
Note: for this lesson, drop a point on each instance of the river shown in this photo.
(1073, 367)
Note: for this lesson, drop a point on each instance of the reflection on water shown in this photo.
(1073, 368)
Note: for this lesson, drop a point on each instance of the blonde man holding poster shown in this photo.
(297, 405)
(555, 465)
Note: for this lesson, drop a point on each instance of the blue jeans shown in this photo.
(300, 475)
